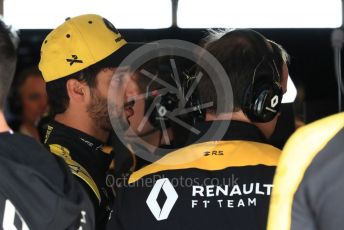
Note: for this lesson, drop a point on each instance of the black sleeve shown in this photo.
(101, 216)
(115, 222)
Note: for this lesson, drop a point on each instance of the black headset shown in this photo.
(157, 105)
(263, 97)
(261, 102)
(166, 102)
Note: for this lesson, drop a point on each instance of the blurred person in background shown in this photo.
(29, 101)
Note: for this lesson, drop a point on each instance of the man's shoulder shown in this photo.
(57, 134)
(315, 155)
(213, 156)
(29, 178)
(59, 141)
(307, 141)
(65, 145)
(311, 145)
(21, 149)
(18, 140)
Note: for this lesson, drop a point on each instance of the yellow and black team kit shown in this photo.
(216, 184)
(89, 163)
(309, 181)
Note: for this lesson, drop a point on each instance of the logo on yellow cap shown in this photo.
(74, 60)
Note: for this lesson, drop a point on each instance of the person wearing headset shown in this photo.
(78, 60)
(37, 191)
(219, 183)
(147, 137)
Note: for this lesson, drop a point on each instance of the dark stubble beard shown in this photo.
(98, 111)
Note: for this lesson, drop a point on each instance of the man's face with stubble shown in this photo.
(119, 107)
(97, 107)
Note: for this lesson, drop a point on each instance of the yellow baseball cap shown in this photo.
(77, 44)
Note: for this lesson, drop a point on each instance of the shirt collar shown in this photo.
(88, 140)
(237, 130)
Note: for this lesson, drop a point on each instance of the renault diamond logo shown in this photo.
(274, 101)
(162, 185)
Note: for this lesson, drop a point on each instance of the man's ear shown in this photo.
(76, 90)
(285, 76)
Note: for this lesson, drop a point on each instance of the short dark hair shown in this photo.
(57, 89)
(158, 67)
(280, 55)
(8, 59)
(23, 75)
(239, 52)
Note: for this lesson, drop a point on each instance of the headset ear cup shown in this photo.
(167, 103)
(263, 103)
(268, 102)
(247, 102)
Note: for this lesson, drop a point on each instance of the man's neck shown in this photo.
(240, 116)
(3, 124)
(149, 141)
(153, 140)
(83, 124)
(31, 129)
(236, 116)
